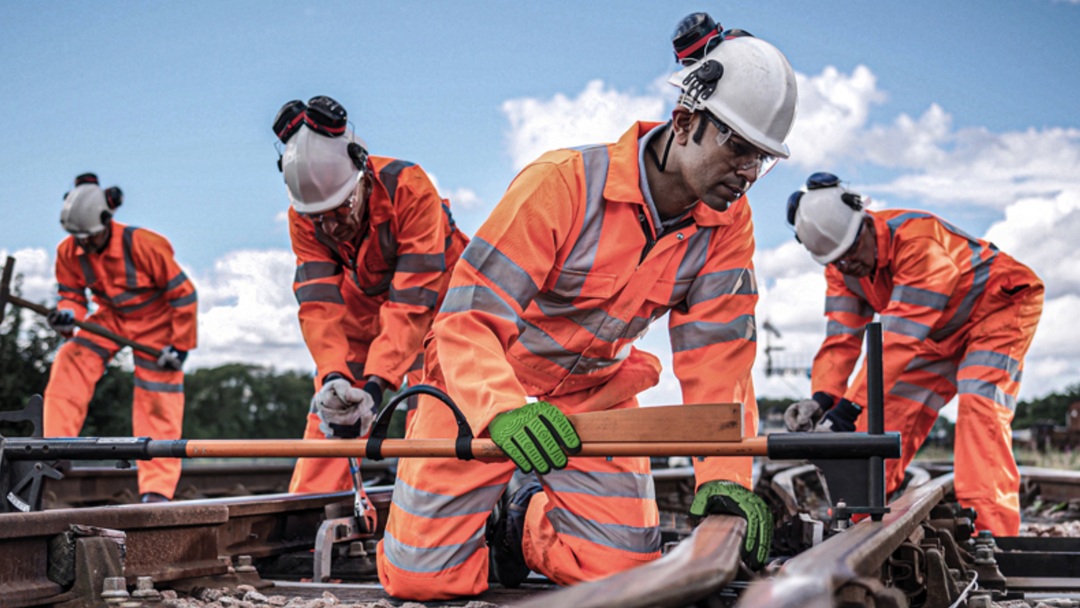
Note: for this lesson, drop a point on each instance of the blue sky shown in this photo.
(174, 101)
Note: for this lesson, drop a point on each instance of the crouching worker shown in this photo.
(586, 249)
(374, 247)
(141, 294)
(958, 317)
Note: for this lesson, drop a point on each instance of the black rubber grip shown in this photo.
(463, 444)
(800, 446)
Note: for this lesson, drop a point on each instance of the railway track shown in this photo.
(923, 553)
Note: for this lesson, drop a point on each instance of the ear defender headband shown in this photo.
(321, 114)
(820, 181)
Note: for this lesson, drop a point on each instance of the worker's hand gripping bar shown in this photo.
(462, 445)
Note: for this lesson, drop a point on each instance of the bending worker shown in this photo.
(374, 247)
(586, 249)
(958, 316)
(142, 294)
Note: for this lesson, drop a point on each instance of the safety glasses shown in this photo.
(329, 220)
(752, 157)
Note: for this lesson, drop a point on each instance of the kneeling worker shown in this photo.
(141, 294)
(958, 315)
(374, 247)
(586, 249)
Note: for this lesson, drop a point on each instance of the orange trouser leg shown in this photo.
(987, 478)
(593, 519)
(158, 413)
(912, 406)
(78, 366)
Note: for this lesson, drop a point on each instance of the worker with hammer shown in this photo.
(141, 294)
(587, 248)
(958, 317)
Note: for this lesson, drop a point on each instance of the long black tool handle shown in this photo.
(875, 412)
(93, 328)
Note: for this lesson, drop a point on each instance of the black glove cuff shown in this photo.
(345, 431)
(825, 400)
(847, 411)
(180, 354)
(372, 388)
(333, 376)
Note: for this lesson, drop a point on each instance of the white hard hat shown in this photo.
(826, 217)
(318, 170)
(749, 85)
(85, 210)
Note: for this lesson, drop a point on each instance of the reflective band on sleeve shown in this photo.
(482, 299)
(191, 298)
(430, 559)
(87, 270)
(989, 358)
(418, 363)
(849, 304)
(421, 262)
(904, 327)
(176, 281)
(617, 536)
(607, 485)
(740, 281)
(93, 346)
(579, 262)
(158, 387)
(988, 390)
(919, 297)
(309, 271)
(854, 286)
(63, 287)
(416, 296)
(435, 506)
(836, 328)
(918, 394)
(500, 270)
(319, 292)
(129, 261)
(699, 334)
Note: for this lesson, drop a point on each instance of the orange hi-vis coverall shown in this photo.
(564, 276)
(958, 317)
(365, 307)
(141, 294)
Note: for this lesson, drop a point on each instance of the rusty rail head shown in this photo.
(813, 577)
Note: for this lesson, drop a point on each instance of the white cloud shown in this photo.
(596, 115)
(1042, 234)
(35, 264)
(833, 110)
(464, 199)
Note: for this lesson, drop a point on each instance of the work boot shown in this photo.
(154, 497)
(505, 531)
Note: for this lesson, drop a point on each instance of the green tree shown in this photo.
(240, 401)
(25, 353)
(1052, 407)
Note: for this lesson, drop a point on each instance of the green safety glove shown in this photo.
(728, 497)
(536, 436)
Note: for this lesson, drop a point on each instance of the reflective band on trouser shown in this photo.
(319, 292)
(593, 519)
(158, 413)
(75, 370)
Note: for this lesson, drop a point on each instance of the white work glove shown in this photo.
(340, 404)
(62, 322)
(171, 358)
(801, 416)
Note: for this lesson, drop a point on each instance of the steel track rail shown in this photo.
(813, 577)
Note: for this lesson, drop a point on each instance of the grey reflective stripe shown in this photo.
(853, 285)
(63, 287)
(158, 387)
(989, 358)
(319, 292)
(697, 251)
(539, 343)
(850, 304)
(191, 298)
(112, 302)
(309, 271)
(945, 369)
(836, 328)
(919, 297)
(421, 262)
(904, 218)
(737, 282)
(388, 244)
(418, 363)
(595, 320)
(130, 294)
(149, 364)
(87, 270)
(501, 270)
(416, 296)
(904, 327)
(433, 506)
(918, 394)
(176, 281)
(482, 299)
(583, 254)
(93, 346)
(610, 485)
(988, 390)
(129, 261)
(699, 334)
(389, 174)
(430, 559)
(617, 536)
(980, 275)
(356, 369)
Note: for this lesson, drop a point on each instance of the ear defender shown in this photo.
(288, 120)
(701, 83)
(852, 200)
(818, 181)
(86, 178)
(358, 155)
(326, 116)
(114, 197)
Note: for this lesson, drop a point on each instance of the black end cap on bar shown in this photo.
(803, 446)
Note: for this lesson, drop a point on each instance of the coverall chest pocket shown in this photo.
(587, 288)
(372, 269)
